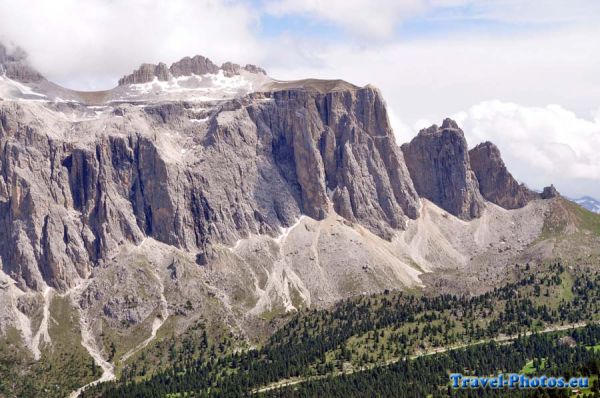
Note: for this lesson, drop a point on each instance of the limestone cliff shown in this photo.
(197, 193)
(185, 67)
(496, 183)
(72, 191)
(438, 161)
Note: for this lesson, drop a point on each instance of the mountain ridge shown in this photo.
(234, 199)
(327, 146)
(197, 65)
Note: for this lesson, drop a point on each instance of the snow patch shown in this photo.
(589, 203)
(199, 120)
(23, 89)
(209, 87)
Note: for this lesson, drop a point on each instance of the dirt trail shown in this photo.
(88, 342)
(499, 339)
(156, 323)
(42, 334)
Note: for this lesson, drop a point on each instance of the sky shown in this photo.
(522, 74)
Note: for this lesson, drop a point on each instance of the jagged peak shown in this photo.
(550, 192)
(197, 65)
(487, 144)
(434, 128)
(496, 183)
(438, 162)
(146, 73)
(186, 66)
(489, 149)
(450, 124)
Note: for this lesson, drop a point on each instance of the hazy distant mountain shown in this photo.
(589, 203)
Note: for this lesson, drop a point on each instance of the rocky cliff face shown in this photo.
(438, 162)
(496, 184)
(72, 193)
(225, 198)
(146, 73)
(198, 65)
(344, 139)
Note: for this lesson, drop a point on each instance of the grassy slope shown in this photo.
(566, 217)
(65, 364)
(71, 366)
(380, 345)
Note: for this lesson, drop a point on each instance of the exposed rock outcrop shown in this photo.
(254, 167)
(197, 65)
(496, 184)
(146, 73)
(438, 162)
(549, 192)
(255, 69)
(341, 143)
(230, 69)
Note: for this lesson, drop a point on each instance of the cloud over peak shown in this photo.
(430, 58)
(541, 145)
(74, 41)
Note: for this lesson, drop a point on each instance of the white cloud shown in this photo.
(540, 145)
(363, 17)
(537, 12)
(379, 20)
(402, 132)
(436, 77)
(423, 79)
(96, 41)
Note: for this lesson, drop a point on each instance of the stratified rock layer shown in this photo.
(146, 73)
(197, 65)
(496, 184)
(438, 161)
(340, 142)
(72, 193)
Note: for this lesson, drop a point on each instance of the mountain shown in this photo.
(589, 203)
(202, 197)
(438, 161)
(495, 181)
